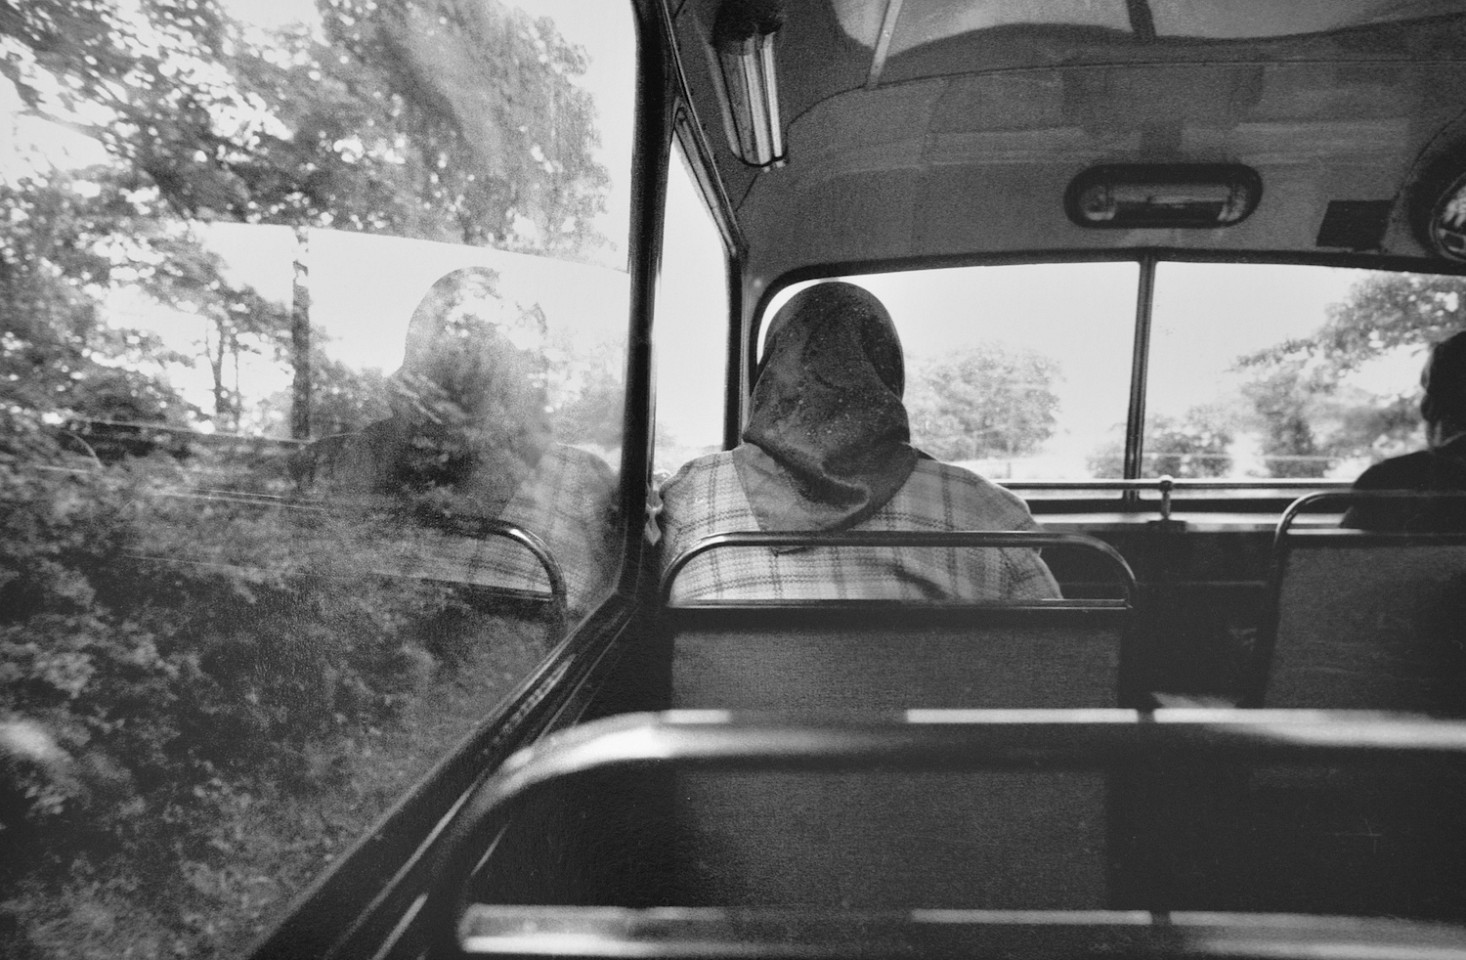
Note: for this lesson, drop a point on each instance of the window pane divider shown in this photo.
(1139, 367)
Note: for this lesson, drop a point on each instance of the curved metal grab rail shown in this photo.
(1028, 539)
(1298, 506)
(477, 528)
(916, 740)
(483, 528)
(1264, 649)
(1167, 485)
(1161, 484)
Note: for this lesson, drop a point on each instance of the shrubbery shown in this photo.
(163, 656)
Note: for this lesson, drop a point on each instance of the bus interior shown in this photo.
(1167, 270)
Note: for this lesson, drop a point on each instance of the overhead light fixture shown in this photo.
(1194, 195)
(743, 41)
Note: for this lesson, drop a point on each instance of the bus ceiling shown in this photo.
(877, 132)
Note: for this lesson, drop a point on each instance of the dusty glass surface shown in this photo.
(310, 409)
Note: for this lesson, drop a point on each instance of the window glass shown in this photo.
(692, 325)
(1016, 372)
(310, 411)
(1263, 371)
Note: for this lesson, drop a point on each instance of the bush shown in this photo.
(175, 649)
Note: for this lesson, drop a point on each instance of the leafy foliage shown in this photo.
(1191, 446)
(183, 653)
(988, 401)
(446, 119)
(1308, 419)
(1383, 312)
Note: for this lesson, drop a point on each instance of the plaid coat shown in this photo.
(705, 498)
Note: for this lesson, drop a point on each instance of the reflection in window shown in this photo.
(1015, 372)
(310, 386)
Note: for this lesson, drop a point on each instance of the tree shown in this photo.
(1286, 409)
(1383, 312)
(67, 239)
(1196, 444)
(444, 119)
(1299, 389)
(988, 401)
(439, 119)
(483, 94)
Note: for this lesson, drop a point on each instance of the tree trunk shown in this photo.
(216, 367)
(300, 341)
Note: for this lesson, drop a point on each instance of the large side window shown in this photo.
(692, 325)
(1017, 372)
(310, 414)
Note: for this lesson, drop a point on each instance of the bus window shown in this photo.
(1016, 372)
(1265, 370)
(692, 310)
(311, 382)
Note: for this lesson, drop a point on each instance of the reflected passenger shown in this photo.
(1440, 467)
(469, 437)
(828, 448)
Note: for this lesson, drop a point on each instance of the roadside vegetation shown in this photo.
(204, 700)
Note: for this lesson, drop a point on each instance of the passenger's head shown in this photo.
(1444, 380)
(461, 361)
(840, 330)
(827, 412)
(468, 403)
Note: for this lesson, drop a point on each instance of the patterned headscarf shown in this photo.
(828, 443)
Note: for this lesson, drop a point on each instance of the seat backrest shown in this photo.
(816, 654)
(991, 810)
(1357, 620)
(851, 657)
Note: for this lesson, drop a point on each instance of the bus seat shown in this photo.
(875, 654)
(1363, 620)
(834, 830)
(1358, 621)
(852, 656)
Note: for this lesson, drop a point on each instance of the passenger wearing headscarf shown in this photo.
(469, 438)
(828, 448)
(1441, 467)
